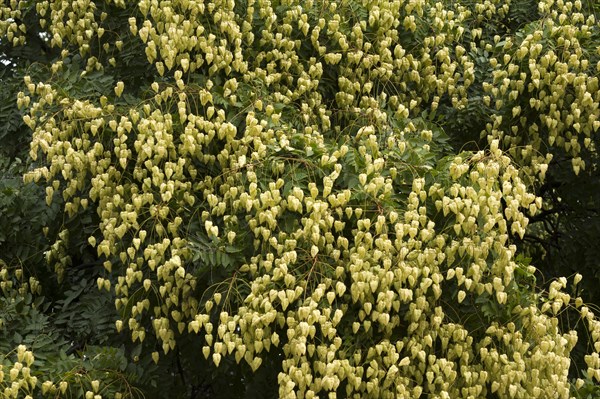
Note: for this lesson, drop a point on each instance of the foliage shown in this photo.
(22, 215)
(27, 328)
(278, 186)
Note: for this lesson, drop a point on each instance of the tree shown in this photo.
(281, 198)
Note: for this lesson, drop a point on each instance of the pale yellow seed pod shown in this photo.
(119, 88)
(63, 386)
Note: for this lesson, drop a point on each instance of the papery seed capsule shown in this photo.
(119, 88)
(63, 386)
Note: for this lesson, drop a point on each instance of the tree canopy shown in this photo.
(299, 199)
